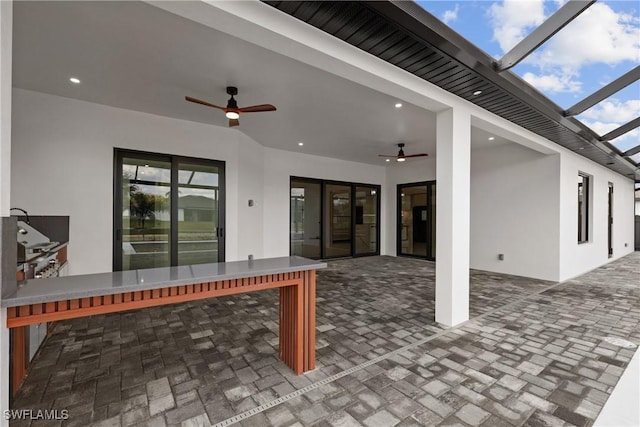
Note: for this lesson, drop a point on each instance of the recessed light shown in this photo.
(146, 166)
(491, 138)
(581, 148)
(476, 93)
(398, 105)
(74, 80)
(300, 144)
(387, 160)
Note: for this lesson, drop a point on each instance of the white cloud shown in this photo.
(553, 83)
(451, 15)
(614, 111)
(598, 35)
(512, 20)
(601, 128)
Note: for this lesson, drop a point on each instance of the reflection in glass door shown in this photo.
(366, 233)
(198, 213)
(306, 218)
(416, 220)
(168, 210)
(146, 213)
(337, 223)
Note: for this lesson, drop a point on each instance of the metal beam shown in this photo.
(634, 150)
(544, 32)
(605, 92)
(621, 130)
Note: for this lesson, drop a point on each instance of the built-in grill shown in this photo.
(35, 248)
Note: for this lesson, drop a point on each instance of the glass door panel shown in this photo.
(366, 233)
(305, 230)
(417, 220)
(413, 220)
(146, 213)
(610, 220)
(337, 224)
(198, 213)
(432, 221)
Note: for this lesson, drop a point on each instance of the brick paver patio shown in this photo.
(531, 358)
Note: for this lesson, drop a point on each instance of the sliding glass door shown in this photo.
(306, 218)
(145, 213)
(417, 220)
(337, 224)
(168, 210)
(199, 230)
(366, 220)
(332, 219)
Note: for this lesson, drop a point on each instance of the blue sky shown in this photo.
(600, 45)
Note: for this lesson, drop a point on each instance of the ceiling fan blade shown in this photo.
(383, 155)
(257, 108)
(418, 155)
(234, 122)
(197, 101)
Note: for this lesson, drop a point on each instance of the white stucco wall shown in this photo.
(515, 208)
(576, 258)
(63, 165)
(6, 36)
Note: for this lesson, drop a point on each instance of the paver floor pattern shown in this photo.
(539, 362)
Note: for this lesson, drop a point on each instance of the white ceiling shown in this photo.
(135, 56)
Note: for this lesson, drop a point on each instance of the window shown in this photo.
(168, 210)
(584, 182)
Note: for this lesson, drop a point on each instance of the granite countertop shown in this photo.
(90, 285)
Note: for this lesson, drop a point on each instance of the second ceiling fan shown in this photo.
(232, 111)
(401, 157)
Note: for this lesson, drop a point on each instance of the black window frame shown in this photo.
(175, 161)
(584, 216)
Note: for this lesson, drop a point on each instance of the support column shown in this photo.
(6, 34)
(453, 162)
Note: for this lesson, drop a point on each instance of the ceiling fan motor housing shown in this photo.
(232, 103)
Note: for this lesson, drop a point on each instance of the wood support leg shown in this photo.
(298, 325)
(18, 357)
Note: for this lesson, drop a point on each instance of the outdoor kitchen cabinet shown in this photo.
(37, 257)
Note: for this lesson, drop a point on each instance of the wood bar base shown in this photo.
(297, 309)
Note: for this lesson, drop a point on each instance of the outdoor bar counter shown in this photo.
(59, 298)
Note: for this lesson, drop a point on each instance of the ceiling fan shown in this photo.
(401, 157)
(232, 111)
